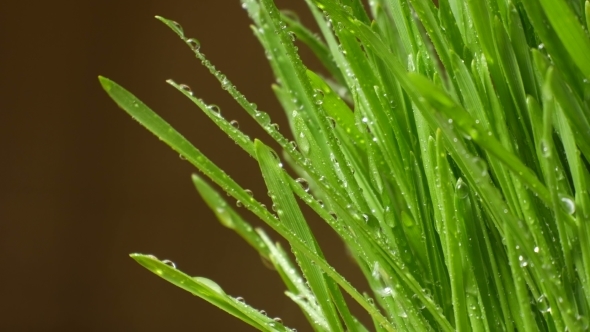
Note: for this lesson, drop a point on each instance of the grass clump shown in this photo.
(449, 150)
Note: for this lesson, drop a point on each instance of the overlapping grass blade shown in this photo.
(290, 215)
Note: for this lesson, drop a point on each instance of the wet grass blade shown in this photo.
(228, 217)
(210, 292)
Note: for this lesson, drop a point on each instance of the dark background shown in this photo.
(82, 185)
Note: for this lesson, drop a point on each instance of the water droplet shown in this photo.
(275, 155)
(293, 145)
(240, 299)
(411, 65)
(303, 182)
(536, 249)
(375, 271)
(262, 118)
(304, 144)
(319, 94)
(461, 189)
(169, 262)
(543, 304)
(235, 124)
(275, 126)
(266, 261)
(215, 109)
(568, 204)
(225, 83)
(332, 122)
(249, 192)
(417, 302)
(186, 89)
(278, 320)
(181, 157)
(545, 150)
(193, 44)
(178, 28)
(263, 312)
(239, 203)
(387, 291)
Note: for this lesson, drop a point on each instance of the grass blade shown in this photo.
(572, 34)
(210, 292)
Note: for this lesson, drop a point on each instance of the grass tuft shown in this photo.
(449, 149)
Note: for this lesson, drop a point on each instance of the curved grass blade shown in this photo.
(210, 292)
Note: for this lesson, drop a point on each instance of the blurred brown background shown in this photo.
(82, 185)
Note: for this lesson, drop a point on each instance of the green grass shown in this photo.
(449, 149)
